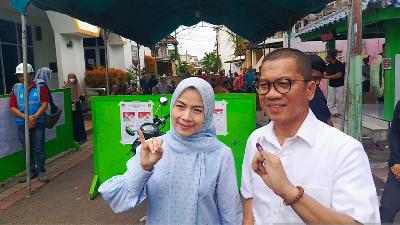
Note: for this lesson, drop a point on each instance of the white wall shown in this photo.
(70, 60)
(226, 51)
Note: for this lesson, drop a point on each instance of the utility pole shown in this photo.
(353, 106)
(216, 41)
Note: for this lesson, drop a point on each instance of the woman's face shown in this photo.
(71, 78)
(187, 115)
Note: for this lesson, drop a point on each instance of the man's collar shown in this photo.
(307, 131)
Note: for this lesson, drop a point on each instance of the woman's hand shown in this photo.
(150, 153)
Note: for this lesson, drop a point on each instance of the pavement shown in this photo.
(64, 199)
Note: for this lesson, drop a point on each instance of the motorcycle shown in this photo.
(150, 130)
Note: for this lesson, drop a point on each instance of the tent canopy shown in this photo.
(148, 21)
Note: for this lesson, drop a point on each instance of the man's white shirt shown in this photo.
(331, 166)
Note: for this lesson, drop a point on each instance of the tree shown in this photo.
(185, 68)
(149, 64)
(210, 62)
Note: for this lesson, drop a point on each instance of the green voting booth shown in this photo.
(110, 155)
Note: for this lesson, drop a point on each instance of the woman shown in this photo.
(41, 79)
(187, 175)
(77, 117)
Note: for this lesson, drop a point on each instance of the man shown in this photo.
(38, 102)
(390, 201)
(305, 170)
(249, 80)
(366, 74)
(318, 104)
(335, 73)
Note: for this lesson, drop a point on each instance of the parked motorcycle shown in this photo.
(150, 130)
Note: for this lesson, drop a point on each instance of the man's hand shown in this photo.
(269, 167)
(396, 171)
(32, 119)
(151, 152)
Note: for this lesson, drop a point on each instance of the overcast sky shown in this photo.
(197, 39)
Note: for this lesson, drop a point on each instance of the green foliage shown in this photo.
(133, 75)
(211, 62)
(175, 56)
(184, 68)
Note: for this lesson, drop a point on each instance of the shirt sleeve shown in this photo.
(13, 100)
(354, 192)
(44, 94)
(126, 191)
(228, 198)
(246, 186)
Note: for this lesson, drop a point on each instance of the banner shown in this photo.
(132, 116)
(9, 142)
(220, 120)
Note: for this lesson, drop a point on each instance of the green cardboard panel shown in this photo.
(15, 162)
(110, 156)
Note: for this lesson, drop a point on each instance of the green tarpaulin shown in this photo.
(148, 21)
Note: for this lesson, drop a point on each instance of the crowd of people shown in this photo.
(244, 82)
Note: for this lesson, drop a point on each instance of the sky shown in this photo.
(197, 39)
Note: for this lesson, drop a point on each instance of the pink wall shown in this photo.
(371, 47)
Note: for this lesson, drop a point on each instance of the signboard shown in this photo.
(133, 115)
(387, 63)
(220, 120)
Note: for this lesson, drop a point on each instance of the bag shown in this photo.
(51, 119)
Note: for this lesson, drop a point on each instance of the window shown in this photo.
(11, 52)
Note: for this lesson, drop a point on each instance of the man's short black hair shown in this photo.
(317, 63)
(332, 53)
(302, 61)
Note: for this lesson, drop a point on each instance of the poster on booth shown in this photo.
(220, 120)
(133, 115)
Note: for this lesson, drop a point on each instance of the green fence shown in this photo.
(60, 137)
(110, 156)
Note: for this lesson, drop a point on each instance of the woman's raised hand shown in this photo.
(151, 152)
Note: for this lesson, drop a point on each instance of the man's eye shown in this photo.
(283, 83)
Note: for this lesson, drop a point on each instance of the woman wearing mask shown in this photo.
(77, 117)
(187, 175)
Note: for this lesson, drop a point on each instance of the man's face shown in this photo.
(316, 75)
(21, 77)
(291, 107)
(329, 59)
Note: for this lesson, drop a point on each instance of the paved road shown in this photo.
(64, 201)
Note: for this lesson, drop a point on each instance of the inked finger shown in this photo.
(141, 137)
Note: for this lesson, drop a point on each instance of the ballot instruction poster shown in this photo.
(133, 115)
(220, 120)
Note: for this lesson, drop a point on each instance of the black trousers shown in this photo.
(390, 201)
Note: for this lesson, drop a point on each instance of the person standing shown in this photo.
(335, 73)
(297, 169)
(318, 104)
(38, 99)
(366, 75)
(187, 175)
(77, 117)
(390, 201)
